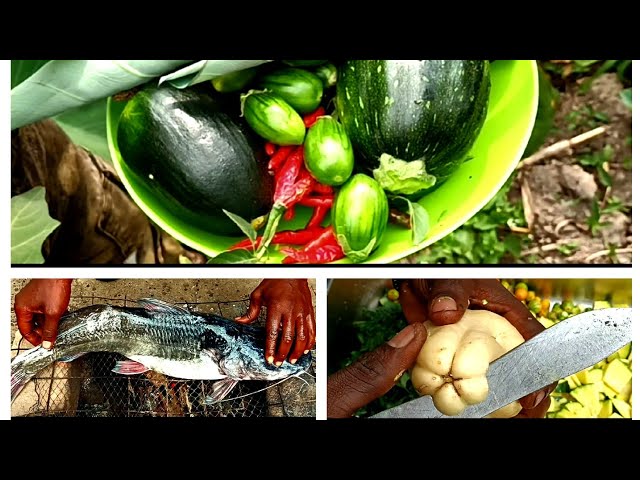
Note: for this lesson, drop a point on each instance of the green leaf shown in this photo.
(605, 67)
(465, 240)
(235, 256)
(513, 245)
(419, 220)
(568, 248)
(625, 96)
(622, 68)
(61, 85)
(603, 175)
(87, 127)
(30, 226)
(419, 223)
(277, 211)
(585, 63)
(207, 70)
(245, 226)
(23, 69)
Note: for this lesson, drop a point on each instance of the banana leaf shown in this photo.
(30, 226)
(75, 91)
(87, 127)
(23, 69)
(61, 85)
(207, 70)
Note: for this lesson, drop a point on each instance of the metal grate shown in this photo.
(87, 387)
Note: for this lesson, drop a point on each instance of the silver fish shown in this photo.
(164, 338)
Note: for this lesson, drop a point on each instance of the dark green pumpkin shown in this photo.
(430, 110)
(194, 157)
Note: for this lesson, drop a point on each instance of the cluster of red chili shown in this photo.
(294, 185)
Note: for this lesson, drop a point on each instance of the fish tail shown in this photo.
(19, 379)
(25, 366)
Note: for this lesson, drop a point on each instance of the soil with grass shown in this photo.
(572, 207)
(580, 199)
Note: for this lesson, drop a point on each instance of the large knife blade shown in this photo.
(565, 348)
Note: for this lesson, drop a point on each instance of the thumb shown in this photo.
(448, 300)
(373, 374)
(50, 330)
(254, 308)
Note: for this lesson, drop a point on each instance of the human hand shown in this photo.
(291, 320)
(374, 373)
(444, 302)
(39, 306)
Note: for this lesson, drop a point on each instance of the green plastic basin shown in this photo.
(499, 147)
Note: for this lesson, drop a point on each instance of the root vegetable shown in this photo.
(453, 362)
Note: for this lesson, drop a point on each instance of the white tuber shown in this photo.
(453, 363)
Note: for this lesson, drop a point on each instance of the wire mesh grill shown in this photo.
(87, 387)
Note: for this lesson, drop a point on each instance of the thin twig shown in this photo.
(607, 191)
(516, 229)
(547, 248)
(561, 224)
(560, 146)
(602, 253)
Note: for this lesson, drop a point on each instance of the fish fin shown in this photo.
(155, 305)
(71, 358)
(221, 389)
(129, 367)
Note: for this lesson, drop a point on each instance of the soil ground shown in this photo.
(562, 190)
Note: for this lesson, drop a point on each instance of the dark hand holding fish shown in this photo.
(291, 322)
(164, 338)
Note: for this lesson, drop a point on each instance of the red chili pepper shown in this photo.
(279, 157)
(326, 238)
(323, 249)
(286, 177)
(323, 189)
(270, 148)
(319, 213)
(286, 237)
(326, 254)
(326, 202)
(290, 195)
(311, 118)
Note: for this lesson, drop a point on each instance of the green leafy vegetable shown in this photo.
(30, 226)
